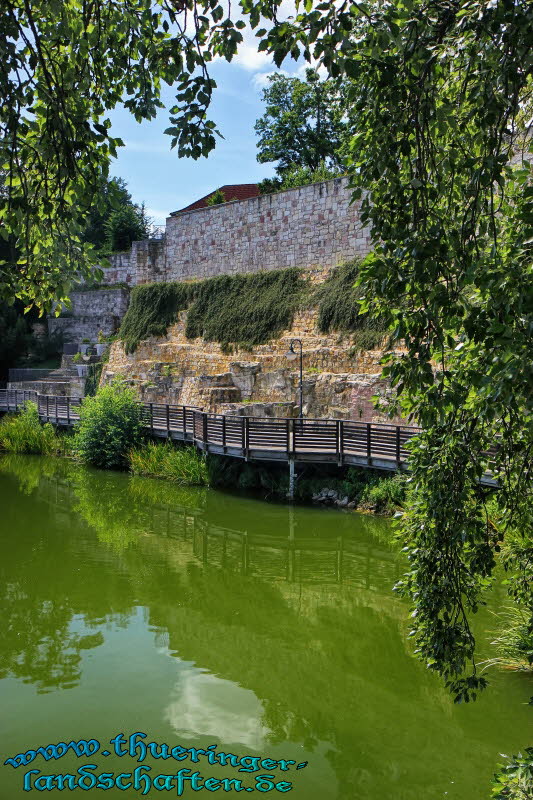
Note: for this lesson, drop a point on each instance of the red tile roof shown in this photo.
(234, 191)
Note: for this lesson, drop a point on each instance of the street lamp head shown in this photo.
(290, 355)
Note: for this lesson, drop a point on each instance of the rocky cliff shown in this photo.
(338, 380)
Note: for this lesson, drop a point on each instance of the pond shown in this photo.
(200, 618)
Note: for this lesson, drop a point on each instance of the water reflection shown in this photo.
(265, 628)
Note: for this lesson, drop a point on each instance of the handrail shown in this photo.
(344, 442)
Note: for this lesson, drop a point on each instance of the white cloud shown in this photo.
(249, 57)
(260, 80)
(206, 705)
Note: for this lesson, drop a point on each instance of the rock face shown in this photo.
(337, 381)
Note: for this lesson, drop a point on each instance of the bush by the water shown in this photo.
(109, 427)
(24, 433)
(182, 465)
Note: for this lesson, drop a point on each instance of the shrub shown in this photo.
(181, 465)
(93, 379)
(109, 427)
(384, 495)
(24, 433)
(153, 308)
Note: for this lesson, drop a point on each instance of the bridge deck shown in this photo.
(342, 442)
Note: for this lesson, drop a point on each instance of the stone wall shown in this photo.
(338, 381)
(306, 227)
(99, 302)
(121, 270)
(92, 311)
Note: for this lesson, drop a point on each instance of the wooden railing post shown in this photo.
(369, 442)
(398, 446)
(152, 418)
(246, 437)
(204, 431)
(68, 410)
(47, 414)
(56, 410)
(224, 433)
(184, 411)
(168, 421)
(340, 442)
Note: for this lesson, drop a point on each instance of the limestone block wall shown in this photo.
(311, 226)
(121, 269)
(338, 382)
(93, 311)
(99, 302)
(149, 259)
(75, 329)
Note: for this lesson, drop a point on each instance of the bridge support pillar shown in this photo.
(292, 479)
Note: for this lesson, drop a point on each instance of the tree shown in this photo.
(303, 125)
(439, 96)
(64, 66)
(217, 198)
(15, 337)
(124, 226)
(112, 195)
(295, 176)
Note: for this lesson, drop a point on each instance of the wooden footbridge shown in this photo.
(335, 441)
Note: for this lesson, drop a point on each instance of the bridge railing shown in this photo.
(15, 399)
(308, 439)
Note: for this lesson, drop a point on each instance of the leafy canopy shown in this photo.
(64, 66)
(112, 203)
(303, 123)
(440, 98)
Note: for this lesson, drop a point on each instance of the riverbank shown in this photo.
(109, 435)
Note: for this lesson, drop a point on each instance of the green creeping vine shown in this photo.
(244, 310)
(152, 310)
(247, 310)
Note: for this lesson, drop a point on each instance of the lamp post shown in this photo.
(291, 355)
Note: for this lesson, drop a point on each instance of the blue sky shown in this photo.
(154, 173)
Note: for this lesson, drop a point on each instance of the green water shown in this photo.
(201, 618)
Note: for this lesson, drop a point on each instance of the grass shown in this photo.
(514, 640)
(24, 433)
(181, 465)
